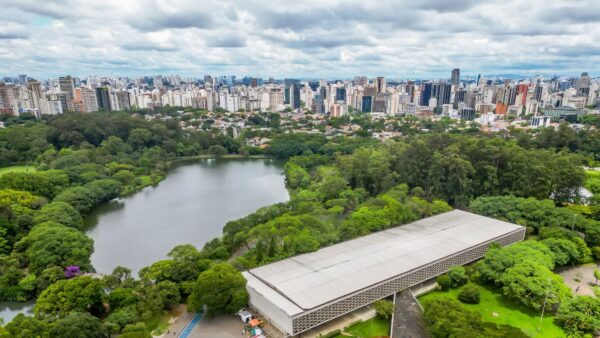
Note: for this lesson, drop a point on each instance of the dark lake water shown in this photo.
(191, 205)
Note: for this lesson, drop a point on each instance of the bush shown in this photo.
(384, 308)
(444, 282)
(469, 294)
(458, 276)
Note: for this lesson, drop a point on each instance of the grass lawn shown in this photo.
(18, 168)
(374, 327)
(508, 313)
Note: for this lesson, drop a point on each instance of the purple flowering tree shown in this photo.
(72, 271)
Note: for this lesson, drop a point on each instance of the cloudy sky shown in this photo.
(299, 38)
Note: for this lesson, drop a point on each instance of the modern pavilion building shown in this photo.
(302, 292)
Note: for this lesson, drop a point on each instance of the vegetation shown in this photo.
(497, 309)
(374, 327)
(341, 188)
(384, 308)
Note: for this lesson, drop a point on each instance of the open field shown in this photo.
(496, 308)
(17, 168)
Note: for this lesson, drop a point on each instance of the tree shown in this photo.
(384, 308)
(122, 317)
(59, 212)
(581, 313)
(296, 177)
(139, 138)
(529, 283)
(221, 289)
(80, 294)
(565, 252)
(25, 327)
(78, 325)
(51, 244)
(217, 150)
(596, 275)
(497, 260)
(81, 198)
(469, 294)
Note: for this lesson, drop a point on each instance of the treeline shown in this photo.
(120, 133)
(453, 168)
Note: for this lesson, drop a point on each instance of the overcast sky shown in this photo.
(299, 38)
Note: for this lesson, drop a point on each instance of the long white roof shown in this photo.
(306, 281)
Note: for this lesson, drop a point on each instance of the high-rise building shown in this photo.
(380, 84)
(410, 90)
(459, 97)
(23, 79)
(8, 102)
(103, 98)
(441, 92)
(426, 91)
(583, 87)
(67, 86)
(340, 94)
(89, 100)
(455, 78)
(34, 91)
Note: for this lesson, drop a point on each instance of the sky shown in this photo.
(299, 38)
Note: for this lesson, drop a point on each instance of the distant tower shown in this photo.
(455, 78)
(380, 84)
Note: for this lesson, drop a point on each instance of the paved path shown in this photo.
(583, 273)
(179, 323)
(407, 317)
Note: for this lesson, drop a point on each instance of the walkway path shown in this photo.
(178, 323)
(407, 317)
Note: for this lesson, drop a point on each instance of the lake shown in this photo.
(191, 205)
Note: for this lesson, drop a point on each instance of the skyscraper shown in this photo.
(455, 78)
(426, 89)
(34, 91)
(103, 98)
(583, 87)
(67, 86)
(380, 84)
(340, 94)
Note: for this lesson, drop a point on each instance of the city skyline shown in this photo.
(306, 39)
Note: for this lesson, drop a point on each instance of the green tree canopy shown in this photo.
(221, 288)
(51, 244)
(59, 212)
(80, 294)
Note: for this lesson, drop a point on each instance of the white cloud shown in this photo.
(310, 38)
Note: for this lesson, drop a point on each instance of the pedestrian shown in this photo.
(577, 290)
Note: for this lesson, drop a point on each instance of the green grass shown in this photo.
(508, 313)
(374, 327)
(16, 168)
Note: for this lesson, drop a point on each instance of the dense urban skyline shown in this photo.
(338, 39)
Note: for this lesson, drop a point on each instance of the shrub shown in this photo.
(458, 276)
(384, 308)
(444, 282)
(469, 294)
